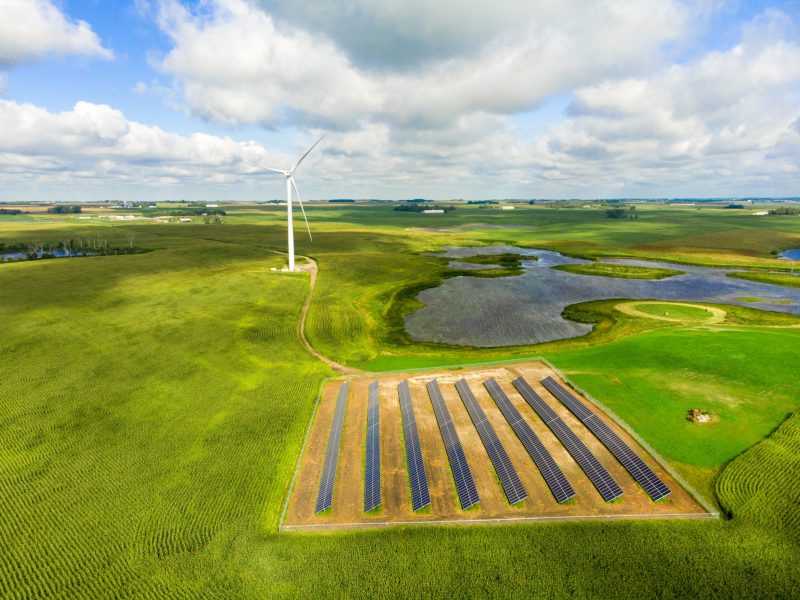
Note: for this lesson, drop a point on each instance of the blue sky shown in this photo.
(162, 99)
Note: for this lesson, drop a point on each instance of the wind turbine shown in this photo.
(290, 184)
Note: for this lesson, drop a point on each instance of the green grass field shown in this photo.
(153, 406)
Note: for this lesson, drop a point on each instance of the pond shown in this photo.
(526, 309)
(791, 254)
(15, 256)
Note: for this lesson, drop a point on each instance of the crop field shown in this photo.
(763, 484)
(396, 507)
(152, 408)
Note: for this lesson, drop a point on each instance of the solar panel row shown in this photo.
(600, 478)
(372, 473)
(509, 479)
(465, 485)
(643, 474)
(325, 494)
(552, 474)
(420, 496)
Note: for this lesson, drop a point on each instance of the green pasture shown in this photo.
(152, 408)
(651, 380)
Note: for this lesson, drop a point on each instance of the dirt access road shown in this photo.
(311, 268)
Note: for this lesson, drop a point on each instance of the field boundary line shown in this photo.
(497, 520)
(302, 454)
(647, 447)
(494, 363)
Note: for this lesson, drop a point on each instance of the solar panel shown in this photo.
(325, 495)
(509, 479)
(420, 496)
(465, 485)
(597, 474)
(372, 471)
(643, 474)
(552, 474)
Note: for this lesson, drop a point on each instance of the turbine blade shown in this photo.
(307, 152)
(274, 170)
(303, 210)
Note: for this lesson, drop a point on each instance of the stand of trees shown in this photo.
(39, 250)
(63, 209)
(188, 212)
(621, 213)
(418, 208)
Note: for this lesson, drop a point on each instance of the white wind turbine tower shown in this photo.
(290, 184)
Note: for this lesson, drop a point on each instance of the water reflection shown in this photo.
(526, 309)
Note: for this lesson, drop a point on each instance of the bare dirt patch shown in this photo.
(347, 510)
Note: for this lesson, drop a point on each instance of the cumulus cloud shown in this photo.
(95, 144)
(424, 66)
(97, 141)
(725, 119)
(420, 102)
(31, 29)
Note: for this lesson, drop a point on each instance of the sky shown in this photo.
(168, 99)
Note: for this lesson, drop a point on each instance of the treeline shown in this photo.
(10, 211)
(62, 209)
(188, 212)
(98, 246)
(418, 208)
(785, 210)
(621, 213)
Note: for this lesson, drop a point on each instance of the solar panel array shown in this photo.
(509, 479)
(420, 496)
(465, 485)
(600, 478)
(325, 495)
(372, 473)
(552, 474)
(643, 474)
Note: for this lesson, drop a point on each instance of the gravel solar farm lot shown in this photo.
(348, 496)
